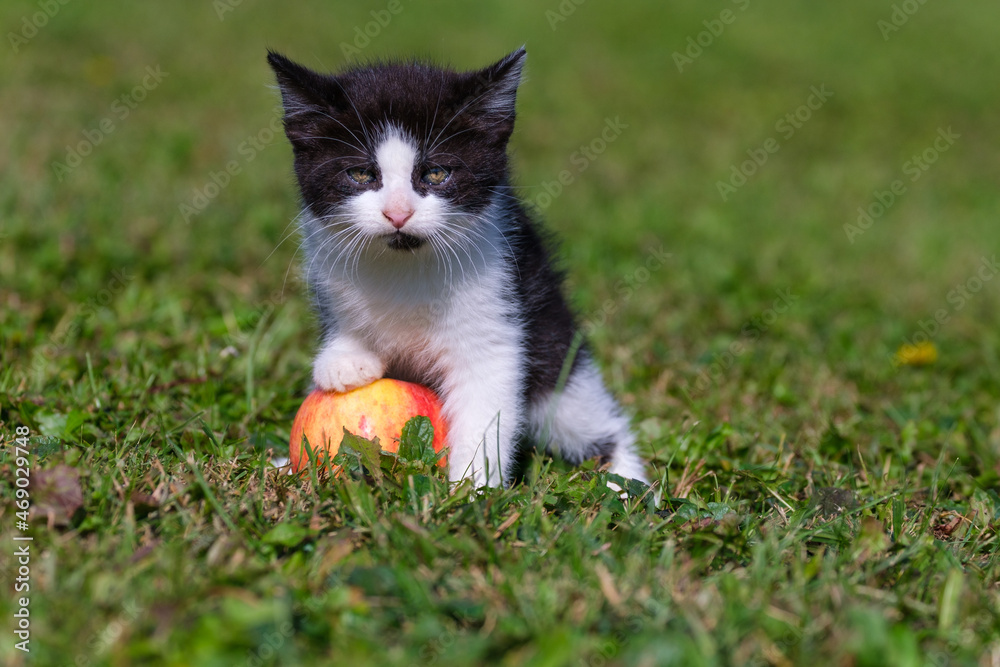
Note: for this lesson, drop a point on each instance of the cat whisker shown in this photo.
(441, 260)
(357, 114)
(339, 141)
(485, 220)
(349, 130)
(452, 136)
(513, 255)
(512, 198)
(288, 269)
(301, 227)
(351, 248)
(338, 239)
(437, 105)
(457, 114)
(448, 245)
(285, 236)
(457, 158)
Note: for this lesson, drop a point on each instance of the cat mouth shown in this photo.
(403, 241)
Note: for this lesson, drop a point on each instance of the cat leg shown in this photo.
(483, 407)
(584, 421)
(345, 363)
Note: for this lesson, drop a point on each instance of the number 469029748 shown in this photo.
(21, 473)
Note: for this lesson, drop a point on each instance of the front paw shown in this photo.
(339, 371)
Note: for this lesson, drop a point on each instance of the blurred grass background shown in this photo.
(207, 317)
(656, 184)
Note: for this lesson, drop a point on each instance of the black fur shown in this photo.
(549, 321)
(462, 122)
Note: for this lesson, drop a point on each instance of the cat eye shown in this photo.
(435, 175)
(361, 176)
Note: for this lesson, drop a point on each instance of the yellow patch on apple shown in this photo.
(380, 409)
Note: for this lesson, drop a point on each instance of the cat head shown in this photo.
(400, 155)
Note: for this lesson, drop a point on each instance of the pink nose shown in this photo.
(398, 217)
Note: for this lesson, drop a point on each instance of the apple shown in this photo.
(380, 409)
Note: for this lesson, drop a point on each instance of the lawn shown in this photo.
(761, 207)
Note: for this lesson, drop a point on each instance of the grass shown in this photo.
(822, 505)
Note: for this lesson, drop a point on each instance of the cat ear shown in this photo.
(490, 94)
(306, 95)
(499, 83)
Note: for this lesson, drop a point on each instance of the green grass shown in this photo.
(821, 504)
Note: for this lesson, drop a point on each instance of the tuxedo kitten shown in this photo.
(424, 267)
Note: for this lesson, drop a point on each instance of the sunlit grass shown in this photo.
(830, 495)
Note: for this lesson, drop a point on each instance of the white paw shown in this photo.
(336, 370)
(627, 463)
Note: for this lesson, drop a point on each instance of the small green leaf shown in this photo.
(636, 488)
(422, 485)
(369, 450)
(74, 420)
(417, 441)
(388, 461)
(62, 426)
(45, 446)
(687, 512)
(717, 511)
(286, 535)
(51, 424)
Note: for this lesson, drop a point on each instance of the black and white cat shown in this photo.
(424, 267)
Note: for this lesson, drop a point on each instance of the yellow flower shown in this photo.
(920, 354)
(99, 71)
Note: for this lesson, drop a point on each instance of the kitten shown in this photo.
(424, 267)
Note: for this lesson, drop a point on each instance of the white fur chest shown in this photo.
(421, 323)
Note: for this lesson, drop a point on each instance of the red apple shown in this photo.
(378, 409)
